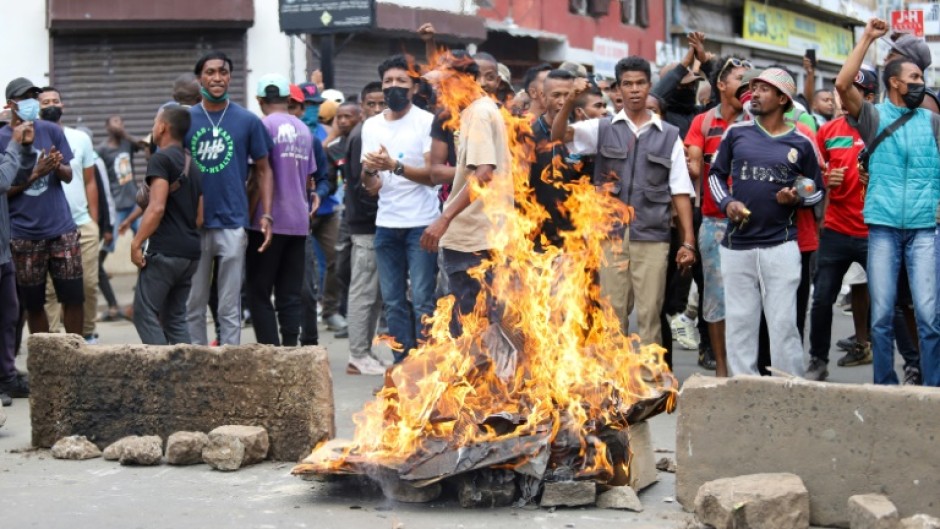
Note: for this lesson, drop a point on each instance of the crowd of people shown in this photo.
(358, 211)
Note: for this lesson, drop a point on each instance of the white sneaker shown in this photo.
(336, 322)
(683, 332)
(364, 366)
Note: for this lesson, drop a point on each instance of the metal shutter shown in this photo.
(357, 63)
(132, 74)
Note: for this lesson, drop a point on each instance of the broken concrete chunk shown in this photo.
(568, 493)
(146, 450)
(872, 511)
(254, 438)
(486, 488)
(113, 451)
(921, 521)
(620, 498)
(185, 448)
(75, 447)
(666, 464)
(224, 453)
(758, 501)
(643, 461)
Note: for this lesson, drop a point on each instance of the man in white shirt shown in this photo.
(82, 195)
(640, 160)
(396, 146)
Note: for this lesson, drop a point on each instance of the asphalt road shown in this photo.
(39, 491)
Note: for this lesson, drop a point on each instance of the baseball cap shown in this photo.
(19, 87)
(505, 76)
(279, 82)
(333, 94)
(866, 81)
(328, 110)
(914, 49)
(779, 79)
(311, 93)
(296, 94)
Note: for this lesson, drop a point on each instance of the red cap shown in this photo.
(296, 94)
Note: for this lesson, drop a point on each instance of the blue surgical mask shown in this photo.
(312, 116)
(28, 109)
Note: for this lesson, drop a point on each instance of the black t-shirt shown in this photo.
(546, 193)
(177, 235)
(440, 133)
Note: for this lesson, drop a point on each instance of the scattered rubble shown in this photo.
(757, 501)
(568, 493)
(920, 521)
(666, 464)
(75, 447)
(232, 447)
(112, 452)
(185, 448)
(620, 498)
(146, 450)
(872, 511)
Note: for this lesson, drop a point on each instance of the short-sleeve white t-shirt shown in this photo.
(402, 203)
(83, 157)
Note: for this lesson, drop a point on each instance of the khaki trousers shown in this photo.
(88, 237)
(634, 275)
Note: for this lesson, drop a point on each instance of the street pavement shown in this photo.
(39, 491)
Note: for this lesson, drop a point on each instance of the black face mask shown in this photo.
(53, 114)
(396, 97)
(915, 95)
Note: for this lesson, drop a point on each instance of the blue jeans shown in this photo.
(888, 249)
(399, 258)
(122, 214)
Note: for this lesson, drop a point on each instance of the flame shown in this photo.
(557, 364)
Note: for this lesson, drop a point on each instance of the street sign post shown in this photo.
(323, 17)
(910, 21)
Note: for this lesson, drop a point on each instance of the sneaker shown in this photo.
(817, 369)
(342, 333)
(847, 344)
(91, 339)
(859, 355)
(383, 363)
(335, 322)
(912, 376)
(364, 366)
(683, 332)
(706, 359)
(17, 387)
(6, 399)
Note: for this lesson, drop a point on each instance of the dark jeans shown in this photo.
(160, 299)
(836, 253)
(464, 288)
(104, 284)
(401, 261)
(677, 291)
(278, 270)
(9, 316)
(343, 264)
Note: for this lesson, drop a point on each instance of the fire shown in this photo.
(551, 388)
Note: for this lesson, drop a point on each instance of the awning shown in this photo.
(405, 21)
(121, 14)
(519, 31)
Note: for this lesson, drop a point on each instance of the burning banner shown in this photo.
(549, 387)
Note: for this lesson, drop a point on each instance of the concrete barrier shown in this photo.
(841, 439)
(108, 392)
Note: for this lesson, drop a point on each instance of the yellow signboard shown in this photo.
(779, 27)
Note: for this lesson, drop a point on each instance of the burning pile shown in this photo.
(547, 392)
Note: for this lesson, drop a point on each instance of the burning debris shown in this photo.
(546, 390)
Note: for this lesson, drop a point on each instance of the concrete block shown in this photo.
(840, 439)
(643, 471)
(920, 521)
(231, 447)
(872, 511)
(757, 501)
(623, 498)
(185, 448)
(568, 493)
(109, 392)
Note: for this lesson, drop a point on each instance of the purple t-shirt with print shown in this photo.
(292, 162)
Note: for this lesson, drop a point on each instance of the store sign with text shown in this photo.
(786, 29)
(325, 16)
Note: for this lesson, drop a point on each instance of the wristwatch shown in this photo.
(399, 168)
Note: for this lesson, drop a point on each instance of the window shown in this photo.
(635, 12)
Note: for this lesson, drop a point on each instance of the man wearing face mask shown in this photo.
(900, 204)
(396, 147)
(311, 116)
(44, 238)
(82, 196)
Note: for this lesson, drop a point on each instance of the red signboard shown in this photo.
(909, 21)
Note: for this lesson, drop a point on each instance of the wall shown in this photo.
(23, 26)
(553, 16)
(270, 51)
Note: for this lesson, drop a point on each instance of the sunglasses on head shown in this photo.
(736, 63)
